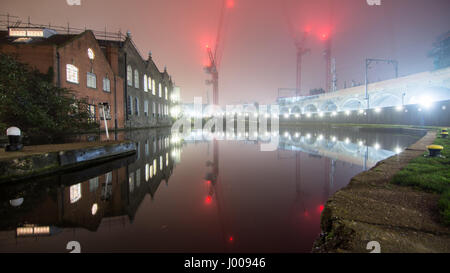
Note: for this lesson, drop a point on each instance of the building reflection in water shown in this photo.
(319, 161)
(109, 193)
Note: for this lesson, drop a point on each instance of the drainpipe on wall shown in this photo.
(58, 69)
(125, 84)
(115, 103)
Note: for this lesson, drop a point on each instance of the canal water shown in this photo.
(195, 195)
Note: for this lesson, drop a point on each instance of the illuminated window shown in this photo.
(160, 163)
(72, 73)
(145, 83)
(155, 166)
(94, 209)
(153, 87)
(91, 80)
(160, 91)
(129, 75)
(136, 78)
(167, 159)
(106, 84)
(166, 92)
(75, 193)
(151, 171)
(154, 109)
(147, 172)
(91, 54)
(149, 83)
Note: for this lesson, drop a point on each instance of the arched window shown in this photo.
(145, 83)
(160, 90)
(136, 78)
(129, 75)
(153, 87)
(71, 73)
(166, 92)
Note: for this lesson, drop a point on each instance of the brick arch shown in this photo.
(351, 104)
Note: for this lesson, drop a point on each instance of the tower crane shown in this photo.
(300, 40)
(215, 54)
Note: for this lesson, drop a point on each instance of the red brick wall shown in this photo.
(75, 53)
(39, 57)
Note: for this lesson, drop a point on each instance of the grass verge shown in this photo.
(430, 174)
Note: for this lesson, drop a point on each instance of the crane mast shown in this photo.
(215, 57)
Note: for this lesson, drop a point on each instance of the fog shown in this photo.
(258, 52)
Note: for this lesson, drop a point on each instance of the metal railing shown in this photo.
(9, 21)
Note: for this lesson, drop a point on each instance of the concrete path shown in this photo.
(370, 208)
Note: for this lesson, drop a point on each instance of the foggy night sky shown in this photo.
(259, 55)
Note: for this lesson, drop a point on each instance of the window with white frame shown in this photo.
(166, 93)
(154, 109)
(106, 84)
(146, 108)
(160, 91)
(145, 83)
(107, 112)
(129, 75)
(91, 80)
(75, 193)
(71, 73)
(136, 78)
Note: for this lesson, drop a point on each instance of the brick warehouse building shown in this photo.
(146, 89)
(78, 63)
(136, 93)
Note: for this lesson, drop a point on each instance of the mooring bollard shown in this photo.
(14, 135)
(434, 150)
